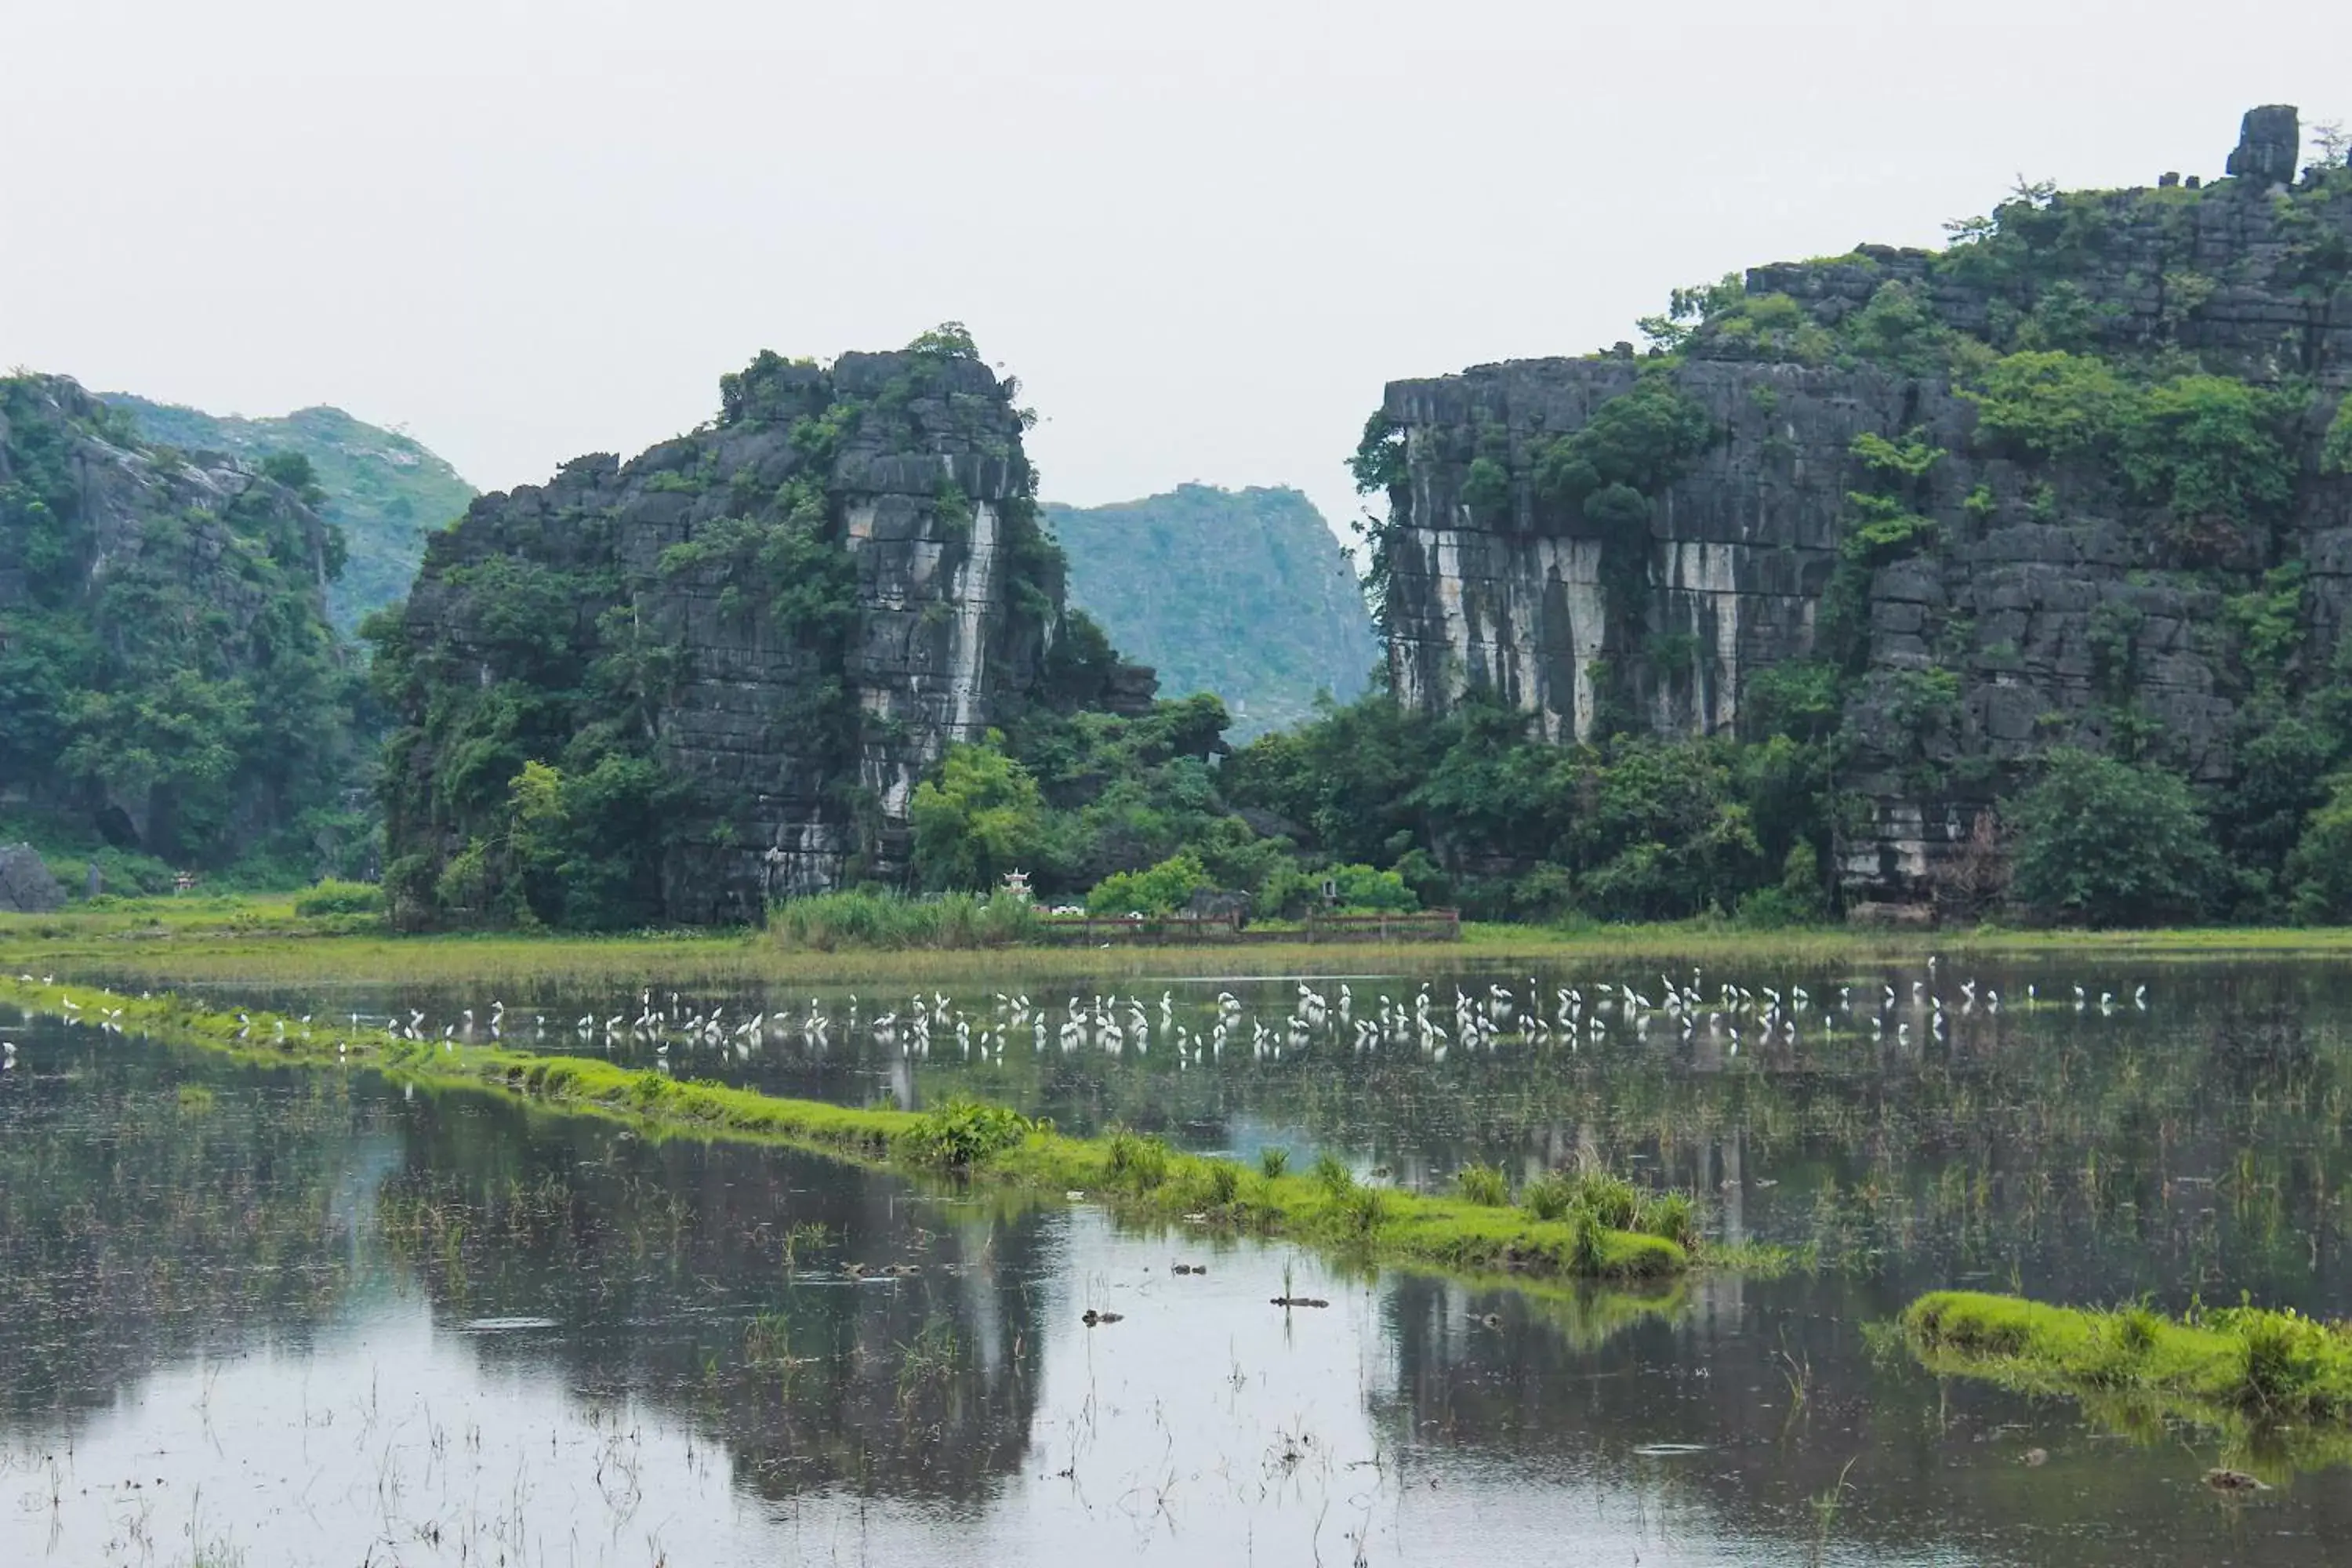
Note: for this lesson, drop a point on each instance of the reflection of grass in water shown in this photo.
(149, 1216)
(2276, 1385)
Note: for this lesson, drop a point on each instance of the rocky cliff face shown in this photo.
(168, 681)
(790, 613)
(2024, 596)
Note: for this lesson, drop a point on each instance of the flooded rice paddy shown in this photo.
(275, 1316)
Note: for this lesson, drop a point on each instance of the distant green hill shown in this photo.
(384, 491)
(1243, 593)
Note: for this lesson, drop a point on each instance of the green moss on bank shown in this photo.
(1130, 1173)
(2250, 1372)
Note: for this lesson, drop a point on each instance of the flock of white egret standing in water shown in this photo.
(1418, 1018)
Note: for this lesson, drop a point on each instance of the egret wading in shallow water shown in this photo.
(1758, 1026)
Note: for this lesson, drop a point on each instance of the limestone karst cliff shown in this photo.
(673, 688)
(2072, 479)
(169, 684)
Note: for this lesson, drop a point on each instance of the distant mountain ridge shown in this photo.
(385, 490)
(1243, 593)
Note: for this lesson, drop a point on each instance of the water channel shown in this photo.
(262, 1316)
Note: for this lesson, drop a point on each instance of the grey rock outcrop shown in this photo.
(804, 675)
(2047, 585)
(26, 888)
(2269, 145)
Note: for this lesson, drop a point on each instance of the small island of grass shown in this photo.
(2226, 1367)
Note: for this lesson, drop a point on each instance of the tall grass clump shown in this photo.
(1222, 1182)
(1551, 1195)
(1485, 1185)
(1331, 1174)
(883, 920)
(1611, 1202)
(333, 898)
(1136, 1160)
(1672, 1216)
(962, 1132)
(1273, 1160)
(1361, 1209)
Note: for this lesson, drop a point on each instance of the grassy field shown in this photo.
(261, 939)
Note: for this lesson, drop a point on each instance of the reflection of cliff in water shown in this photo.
(156, 1207)
(143, 1222)
(712, 1280)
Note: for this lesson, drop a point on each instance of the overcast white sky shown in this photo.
(1203, 234)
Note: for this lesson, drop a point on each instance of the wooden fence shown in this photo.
(1182, 930)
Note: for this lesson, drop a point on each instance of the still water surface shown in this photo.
(280, 1316)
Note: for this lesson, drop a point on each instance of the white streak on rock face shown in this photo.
(973, 594)
(1453, 613)
(1702, 579)
(1575, 563)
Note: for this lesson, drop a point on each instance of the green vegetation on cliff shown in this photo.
(383, 489)
(670, 690)
(170, 690)
(1242, 594)
(1999, 578)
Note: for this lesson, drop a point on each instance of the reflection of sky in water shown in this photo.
(267, 1354)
